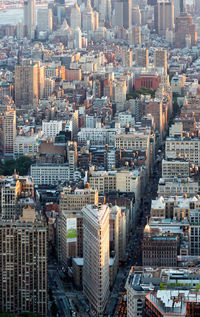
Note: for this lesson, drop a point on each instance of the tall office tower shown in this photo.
(123, 13)
(41, 79)
(108, 10)
(23, 265)
(96, 256)
(29, 19)
(9, 131)
(75, 17)
(44, 20)
(136, 15)
(102, 11)
(134, 35)
(78, 38)
(185, 29)
(179, 7)
(164, 16)
(127, 57)
(142, 57)
(88, 18)
(160, 59)
(29, 80)
(72, 156)
(96, 20)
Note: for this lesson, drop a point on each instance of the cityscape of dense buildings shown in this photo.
(99, 158)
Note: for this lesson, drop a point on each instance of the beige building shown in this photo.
(174, 207)
(11, 189)
(96, 256)
(142, 57)
(29, 84)
(185, 148)
(103, 181)
(134, 141)
(9, 131)
(176, 129)
(177, 186)
(23, 269)
(71, 200)
(160, 59)
(175, 168)
(67, 247)
(70, 206)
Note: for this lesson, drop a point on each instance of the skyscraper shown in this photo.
(96, 256)
(142, 57)
(29, 83)
(9, 131)
(164, 16)
(136, 15)
(123, 13)
(78, 38)
(75, 17)
(29, 19)
(185, 28)
(44, 20)
(23, 265)
(160, 59)
(88, 18)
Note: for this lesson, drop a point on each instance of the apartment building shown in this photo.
(69, 236)
(23, 268)
(195, 231)
(12, 188)
(71, 200)
(159, 249)
(174, 207)
(49, 174)
(143, 280)
(164, 303)
(9, 131)
(137, 141)
(175, 168)
(29, 83)
(177, 186)
(184, 148)
(103, 181)
(97, 136)
(72, 156)
(124, 180)
(51, 128)
(26, 145)
(132, 141)
(70, 212)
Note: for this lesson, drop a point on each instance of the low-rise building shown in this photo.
(175, 168)
(186, 148)
(26, 145)
(142, 281)
(177, 186)
(49, 174)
